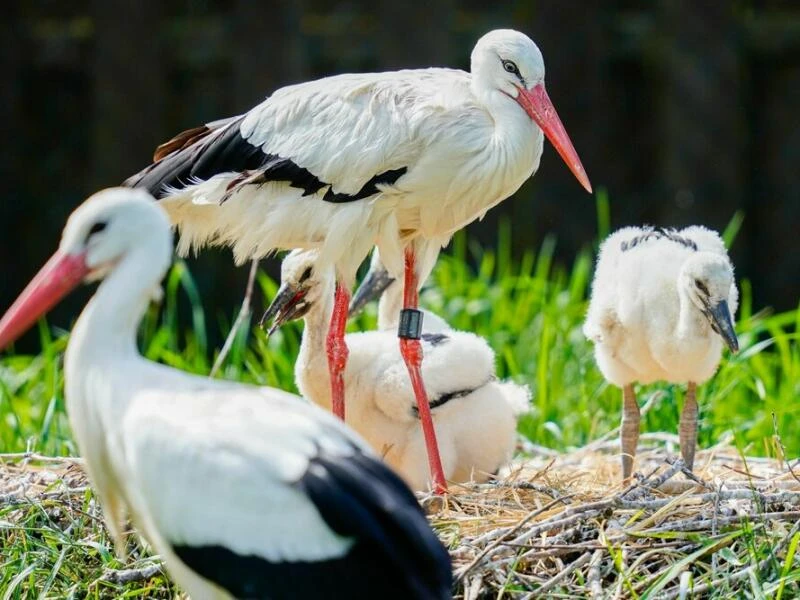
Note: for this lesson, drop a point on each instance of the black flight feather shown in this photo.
(201, 153)
(395, 554)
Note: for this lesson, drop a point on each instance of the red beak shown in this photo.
(61, 274)
(537, 104)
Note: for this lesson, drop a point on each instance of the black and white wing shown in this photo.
(346, 135)
(270, 497)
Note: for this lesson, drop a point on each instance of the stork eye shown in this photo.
(306, 274)
(96, 228)
(510, 66)
(701, 286)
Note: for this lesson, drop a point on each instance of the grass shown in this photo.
(530, 311)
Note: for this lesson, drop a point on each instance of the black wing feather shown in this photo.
(396, 555)
(361, 497)
(223, 150)
(199, 155)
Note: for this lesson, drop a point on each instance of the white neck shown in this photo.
(311, 362)
(389, 306)
(691, 322)
(107, 327)
(511, 122)
(513, 151)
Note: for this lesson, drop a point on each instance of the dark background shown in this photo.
(684, 111)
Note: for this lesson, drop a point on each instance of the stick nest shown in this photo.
(563, 525)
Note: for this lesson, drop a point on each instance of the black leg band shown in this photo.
(410, 327)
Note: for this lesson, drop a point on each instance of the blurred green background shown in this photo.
(684, 112)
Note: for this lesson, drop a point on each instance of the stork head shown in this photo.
(302, 287)
(707, 279)
(100, 232)
(509, 62)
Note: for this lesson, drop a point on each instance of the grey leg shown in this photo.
(629, 430)
(688, 426)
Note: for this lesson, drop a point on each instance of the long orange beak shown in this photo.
(61, 274)
(537, 104)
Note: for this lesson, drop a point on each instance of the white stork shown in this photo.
(399, 159)
(475, 415)
(245, 492)
(662, 306)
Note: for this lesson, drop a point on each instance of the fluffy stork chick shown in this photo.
(245, 492)
(378, 283)
(475, 415)
(661, 309)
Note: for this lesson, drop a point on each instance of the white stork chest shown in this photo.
(467, 170)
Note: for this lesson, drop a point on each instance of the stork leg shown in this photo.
(687, 428)
(336, 348)
(409, 332)
(629, 430)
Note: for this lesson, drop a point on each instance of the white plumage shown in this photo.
(475, 415)
(245, 492)
(400, 159)
(662, 307)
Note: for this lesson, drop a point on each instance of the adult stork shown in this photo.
(398, 159)
(662, 306)
(245, 492)
(475, 415)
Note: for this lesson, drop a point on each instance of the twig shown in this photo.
(734, 494)
(554, 581)
(491, 547)
(650, 483)
(244, 313)
(689, 475)
(525, 485)
(22, 498)
(686, 525)
(594, 581)
(33, 456)
(124, 576)
(472, 588)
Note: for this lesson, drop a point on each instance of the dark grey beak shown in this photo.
(721, 321)
(288, 304)
(373, 285)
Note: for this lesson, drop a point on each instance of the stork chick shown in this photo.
(662, 307)
(245, 492)
(400, 159)
(475, 415)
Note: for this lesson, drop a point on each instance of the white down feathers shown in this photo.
(641, 319)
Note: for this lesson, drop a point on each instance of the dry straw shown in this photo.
(562, 525)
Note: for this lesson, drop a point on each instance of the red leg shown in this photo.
(337, 349)
(411, 349)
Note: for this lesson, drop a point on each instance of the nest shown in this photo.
(563, 525)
